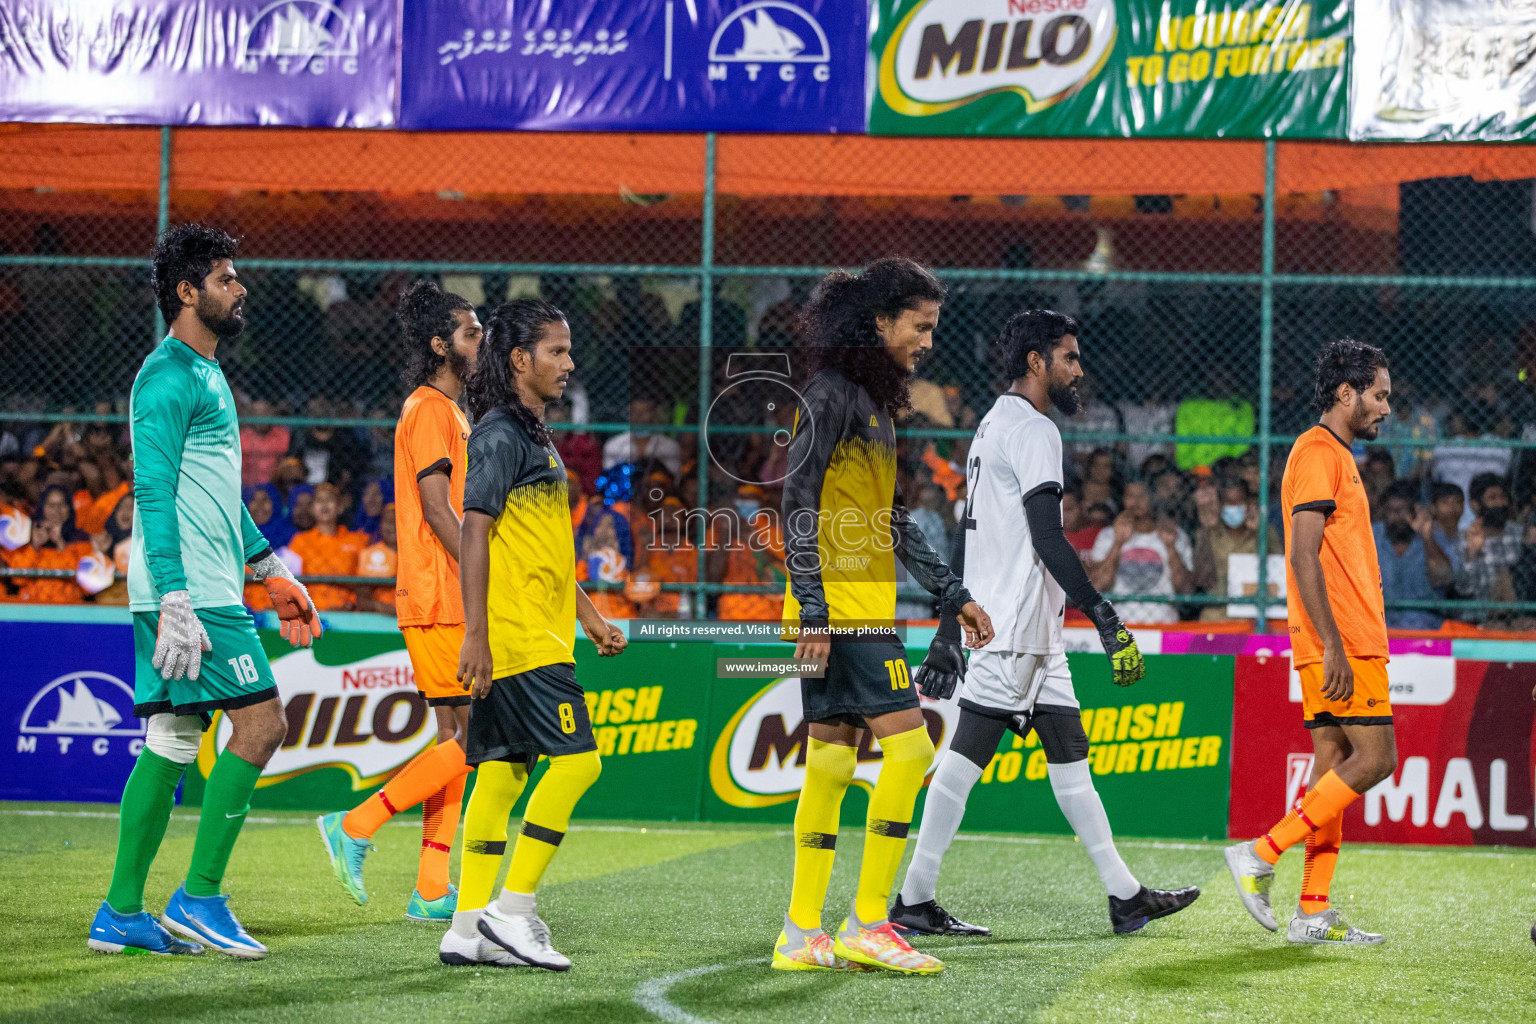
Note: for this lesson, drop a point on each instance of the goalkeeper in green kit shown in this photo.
(195, 645)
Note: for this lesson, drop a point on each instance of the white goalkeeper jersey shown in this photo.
(1016, 455)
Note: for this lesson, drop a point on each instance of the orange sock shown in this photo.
(439, 822)
(1322, 855)
(429, 772)
(1323, 802)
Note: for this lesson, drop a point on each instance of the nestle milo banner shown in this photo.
(355, 718)
(1133, 68)
(678, 742)
(1158, 752)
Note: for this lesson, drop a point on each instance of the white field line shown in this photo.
(671, 830)
(653, 995)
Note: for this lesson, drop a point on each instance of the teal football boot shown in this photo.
(346, 854)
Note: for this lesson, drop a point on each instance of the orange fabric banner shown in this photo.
(75, 157)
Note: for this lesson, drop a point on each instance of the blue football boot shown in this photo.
(207, 920)
(135, 934)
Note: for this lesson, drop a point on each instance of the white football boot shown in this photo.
(1253, 875)
(525, 936)
(1328, 928)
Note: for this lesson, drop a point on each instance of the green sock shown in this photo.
(146, 810)
(226, 800)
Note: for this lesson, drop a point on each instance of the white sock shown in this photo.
(515, 903)
(947, 793)
(466, 923)
(1079, 801)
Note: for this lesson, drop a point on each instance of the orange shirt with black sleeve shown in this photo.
(433, 437)
(1321, 476)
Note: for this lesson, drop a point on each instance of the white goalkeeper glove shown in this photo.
(181, 640)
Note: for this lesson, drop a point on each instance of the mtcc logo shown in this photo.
(82, 709)
(300, 35)
(769, 32)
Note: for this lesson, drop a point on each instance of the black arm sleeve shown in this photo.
(949, 626)
(1043, 511)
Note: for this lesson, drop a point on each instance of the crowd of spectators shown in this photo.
(1153, 516)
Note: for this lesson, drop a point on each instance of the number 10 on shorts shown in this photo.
(901, 676)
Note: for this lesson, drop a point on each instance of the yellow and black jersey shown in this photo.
(531, 601)
(845, 522)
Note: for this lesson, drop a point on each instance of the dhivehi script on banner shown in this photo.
(1458, 70)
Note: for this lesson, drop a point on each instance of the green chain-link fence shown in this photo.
(1201, 316)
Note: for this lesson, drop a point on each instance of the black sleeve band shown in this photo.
(949, 626)
(1049, 487)
(1043, 511)
(440, 466)
(1327, 508)
(259, 556)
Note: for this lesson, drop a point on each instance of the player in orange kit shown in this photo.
(443, 336)
(1338, 642)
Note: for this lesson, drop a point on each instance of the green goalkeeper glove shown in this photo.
(1126, 664)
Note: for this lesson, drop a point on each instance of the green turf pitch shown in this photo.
(676, 922)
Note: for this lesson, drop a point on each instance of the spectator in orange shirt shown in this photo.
(602, 560)
(329, 550)
(114, 543)
(56, 544)
(92, 518)
(262, 445)
(379, 560)
(662, 555)
(753, 554)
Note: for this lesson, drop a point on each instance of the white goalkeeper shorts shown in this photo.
(1005, 681)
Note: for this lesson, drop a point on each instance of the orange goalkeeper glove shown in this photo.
(300, 624)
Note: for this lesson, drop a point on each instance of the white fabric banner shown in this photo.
(1452, 70)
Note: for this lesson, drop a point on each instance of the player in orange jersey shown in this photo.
(1338, 641)
(443, 336)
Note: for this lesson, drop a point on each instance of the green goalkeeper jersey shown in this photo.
(191, 531)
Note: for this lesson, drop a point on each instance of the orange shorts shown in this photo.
(1370, 704)
(434, 652)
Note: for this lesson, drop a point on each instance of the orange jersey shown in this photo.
(45, 590)
(761, 561)
(1321, 476)
(432, 437)
(335, 555)
(378, 560)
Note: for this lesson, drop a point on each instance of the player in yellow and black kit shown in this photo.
(517, 569)
(845, 526)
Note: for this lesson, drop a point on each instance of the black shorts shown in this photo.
(865, 679)
(541, 711)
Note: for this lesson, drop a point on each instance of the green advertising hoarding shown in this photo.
(678, 743)
(1123, 68)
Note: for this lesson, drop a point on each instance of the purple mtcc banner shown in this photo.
(318, 63)
(647, 65)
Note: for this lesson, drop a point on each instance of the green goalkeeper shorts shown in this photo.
(234, 674)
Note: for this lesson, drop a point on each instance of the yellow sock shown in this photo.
(549, 815)
(498, 784)
(828, 770)
(907, 757)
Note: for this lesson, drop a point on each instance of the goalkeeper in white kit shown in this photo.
(1018, 565)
